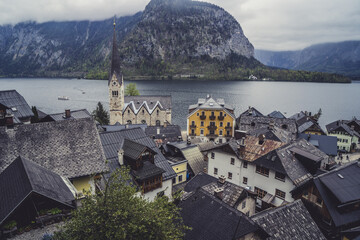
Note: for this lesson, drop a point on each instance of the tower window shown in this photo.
(115, 93)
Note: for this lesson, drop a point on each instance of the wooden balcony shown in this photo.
(228, 128)
(212, 127)
(192, 126)
(202, 117)
(151, 187)
(221, 118)
(212, 135)
(212, 117)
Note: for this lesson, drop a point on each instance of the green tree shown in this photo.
(101, 115)
(131, 90)
(119, 213)
(318, 114)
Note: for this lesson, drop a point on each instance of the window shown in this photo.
(157, 112)
(228, 124)
(192, 132)
(305, 194)
(128, 122)
(115, 93)
(212, 132)
(280, 176)
(245, 164)
(227, 133)
(245, 180)
(221, 124)
(215, 171)
(197, 114)
(319, 200)
(232, 161)
(202, 123)
(128, 111)
(180, 178)
(157, 122)
(212, 123)
(279, 194)
(143, 121)
(229, 175)
(202, 131)
(221, 114)
(143, 111)
(243, 205)
(260, 193)
(192, 123)
(174, 180)
(212, 114)
(212, 155)
(262, 170)
(220, 132)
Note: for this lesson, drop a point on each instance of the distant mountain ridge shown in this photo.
(341, 58)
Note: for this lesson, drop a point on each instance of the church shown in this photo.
(151, 110)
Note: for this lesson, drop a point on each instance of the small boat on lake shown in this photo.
(63, 98)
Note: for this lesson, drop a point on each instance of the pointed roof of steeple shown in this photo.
(115, 59)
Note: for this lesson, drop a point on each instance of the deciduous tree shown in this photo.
(131, 90)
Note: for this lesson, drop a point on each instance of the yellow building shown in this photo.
(180, 168)
(211, 120)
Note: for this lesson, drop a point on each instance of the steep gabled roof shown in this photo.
(134, 149)
(210, 218)
(276, 114)
(170, 133)
(290, 221)
(273, 133)
(163, 101)
(69, 148)
(327, 144)
(113, 141)
(251, 111)
(211, 104)
(199, 180)
(247, 123)
(14, 101)
(23, 177)
(341, 125)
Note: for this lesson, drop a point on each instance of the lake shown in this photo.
(337, 101)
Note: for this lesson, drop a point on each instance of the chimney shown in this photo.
(222, 179)
(261, 139)
(157, 131)
(121, 157)
(67, 113)
(218, 192)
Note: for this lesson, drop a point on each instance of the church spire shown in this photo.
(115, 59)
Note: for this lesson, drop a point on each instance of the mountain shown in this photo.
(170, 39)
(342, 58)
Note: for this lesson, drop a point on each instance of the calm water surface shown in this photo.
(336, 100)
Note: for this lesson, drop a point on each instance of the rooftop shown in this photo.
(75, 114)
(13, 100)
(250, 122)
(69, 148)
(290, 221)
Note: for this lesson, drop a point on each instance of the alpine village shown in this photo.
(72, 175)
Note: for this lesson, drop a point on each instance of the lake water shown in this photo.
(337, 101)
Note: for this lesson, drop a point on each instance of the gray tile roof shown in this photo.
(199, 180)
(212, 104)
(151, 100)
(170, 133)
(291, 221)
(112, 142)
(212, 219)
(75, 114)
(23, 177)
(69, 148)
(147, 171)
(117, 126)
(133, 149)
(273, 133)
(13, 100)
(276, 114)
(341, 125)
(247, 123)
(251, 111)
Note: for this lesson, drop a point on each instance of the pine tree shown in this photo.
(101, 115)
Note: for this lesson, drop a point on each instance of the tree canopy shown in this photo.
(131, 90)
(120, 213)
(101, 115)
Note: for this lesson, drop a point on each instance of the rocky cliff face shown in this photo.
(171, 29)
(342, 58)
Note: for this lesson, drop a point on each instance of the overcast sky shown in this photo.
(269, 24)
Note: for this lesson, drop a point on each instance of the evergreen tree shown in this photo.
(101, 115)
(35, 118)
(119, 213)
(131, 90)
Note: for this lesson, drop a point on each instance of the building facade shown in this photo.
(211, 120)
(347, 137)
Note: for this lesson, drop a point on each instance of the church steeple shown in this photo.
(115, 60)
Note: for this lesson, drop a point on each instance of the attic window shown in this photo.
(340, 176)
(14, 109)
(284, 126)
(252, 124)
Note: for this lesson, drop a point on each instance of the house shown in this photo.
(211, 120)
(233, 195)
(290, 221)
(347, 137)
(333, 199)
(133, 144)
(14, 109)
(211, 218)
(249, 122)
(188, 151)
(150, 110)
(26, 188)
(327, 144)
(307, 124)
(251, 111)
(271, 132)
(68, 114)
(270, 168)
(164, 134)
(69, 148)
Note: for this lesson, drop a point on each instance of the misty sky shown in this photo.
(269, 24)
